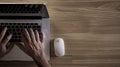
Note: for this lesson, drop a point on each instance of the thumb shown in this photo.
(9, 46)
(21, 46)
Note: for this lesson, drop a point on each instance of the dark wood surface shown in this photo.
(90, 28)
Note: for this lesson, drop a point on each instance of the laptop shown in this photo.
(16, 17)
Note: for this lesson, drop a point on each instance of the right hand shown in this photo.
(33, 46)
(31, 43)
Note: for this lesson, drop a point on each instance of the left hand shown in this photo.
(5, 45)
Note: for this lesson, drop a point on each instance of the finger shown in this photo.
(6, 40)
(42, 37)
(9, 46)
(26, 43)
(3, 33)
(32, 35)
(37, 36)
(26, 34)
(24, 38)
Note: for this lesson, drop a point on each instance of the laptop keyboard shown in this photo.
(17, 28)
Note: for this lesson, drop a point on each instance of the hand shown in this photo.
(33, 46)
(5, 45)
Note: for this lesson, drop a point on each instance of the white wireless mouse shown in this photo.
(59, 47)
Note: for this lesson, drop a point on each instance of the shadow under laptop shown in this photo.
(17, 64)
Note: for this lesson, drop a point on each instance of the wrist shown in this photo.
(41, 61)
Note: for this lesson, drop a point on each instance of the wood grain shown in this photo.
(90, 28)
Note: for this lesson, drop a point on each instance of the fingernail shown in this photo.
(25, 29)
(31, 29)
(10, 35)
(5, 28)
(36, 31)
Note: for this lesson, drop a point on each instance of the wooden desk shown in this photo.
(90, 28)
